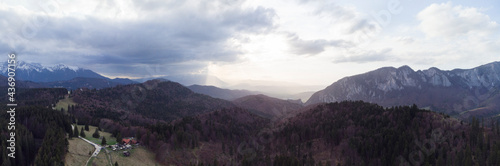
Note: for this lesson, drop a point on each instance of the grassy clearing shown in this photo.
(64, 103)
(138, 156)
(78, 152)
(88, 135)
(101, 159)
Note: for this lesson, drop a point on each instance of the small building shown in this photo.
(126, 153)
(129, 141)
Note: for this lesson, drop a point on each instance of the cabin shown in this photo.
(129, 141)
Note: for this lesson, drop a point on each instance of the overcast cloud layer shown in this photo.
(310, 42)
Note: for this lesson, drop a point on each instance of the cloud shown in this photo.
(362, 56)
(350, 18)
(404, 39)
(446, 20)
(299, 46)
(141, 34)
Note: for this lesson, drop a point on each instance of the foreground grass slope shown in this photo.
(78, 152)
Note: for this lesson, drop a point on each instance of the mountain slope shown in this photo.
(359, 133)
(220, 93)
(19, 83)
(452, 92)
(155, 99)
(219, 135)
(267, 106)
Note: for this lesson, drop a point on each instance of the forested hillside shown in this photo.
(358, 133)
(345, 133)
(155, 99)
(185, 128)
(40, 136)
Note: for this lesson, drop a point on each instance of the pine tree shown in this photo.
(75, 132)
(87, 127)
(96, 133)
(82, 133)
(119, 138)
(103, 142)
(116, 163)
(70, 135)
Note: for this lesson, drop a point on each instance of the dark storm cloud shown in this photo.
(312, 47)
(165, 34)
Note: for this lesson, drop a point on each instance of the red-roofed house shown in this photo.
(125, 141)
(129, 141)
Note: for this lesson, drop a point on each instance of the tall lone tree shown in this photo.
(119, 138)
(82, 133)
(103, 142)
(87, 127)
(70, 135)
(75, 132)
(96, 133)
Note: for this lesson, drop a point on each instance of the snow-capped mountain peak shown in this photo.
(39, 73)
(62, 67)
(21, 65)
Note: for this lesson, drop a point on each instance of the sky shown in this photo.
(306, 42)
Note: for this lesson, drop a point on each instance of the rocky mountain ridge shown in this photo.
(453, 92)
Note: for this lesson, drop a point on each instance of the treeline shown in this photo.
(46, 97)
(40, 136)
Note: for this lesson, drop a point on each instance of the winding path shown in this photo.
(97, 147)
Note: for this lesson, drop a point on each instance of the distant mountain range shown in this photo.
(90, 83)
(267, 106)
(220, 93)
(190, 79)
(463, 92)
(34, 75)
(37, 73)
